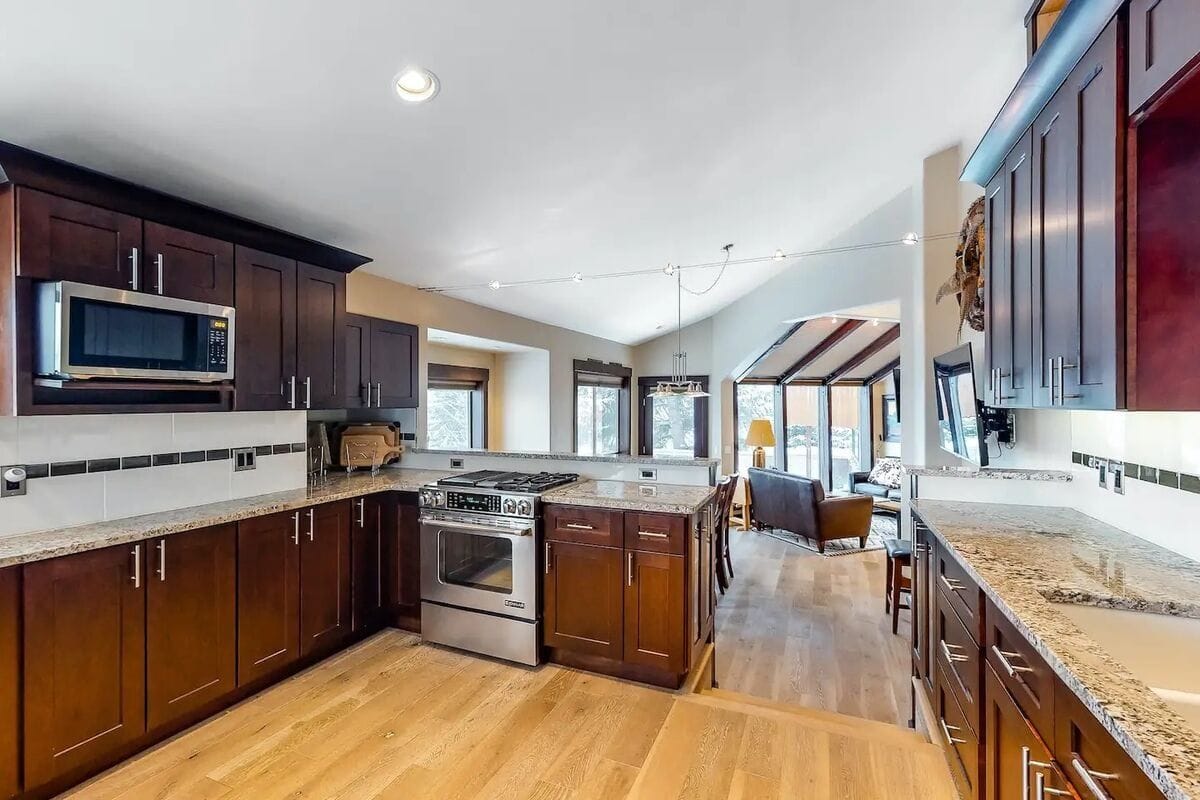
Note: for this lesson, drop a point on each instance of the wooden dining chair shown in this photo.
(724, 565)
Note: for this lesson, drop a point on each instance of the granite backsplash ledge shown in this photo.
(1028, 559)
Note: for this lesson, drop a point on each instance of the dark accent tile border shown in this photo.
(1168, 478)
(1076, 458)
(165, 459)
(1133, 470)
(135, 462)
(263, 450)
(59, 468)
(299, 447)
(37, 471)
(1189, 483)
(103, 464)
(191, 457)
(1149, 474)
(280, 449)
(217, 455)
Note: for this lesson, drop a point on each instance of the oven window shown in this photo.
(116, 335)
(475, 561)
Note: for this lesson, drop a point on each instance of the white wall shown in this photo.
(481, 359)
(525, 393)
(380, 297)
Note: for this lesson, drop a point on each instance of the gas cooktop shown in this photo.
(527, 482)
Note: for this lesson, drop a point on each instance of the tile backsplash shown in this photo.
(120, 465)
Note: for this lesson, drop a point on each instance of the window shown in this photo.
(845, 433)
(456, 408)
(803, 430)
(753, 401)
(672, 427)
(601, 408)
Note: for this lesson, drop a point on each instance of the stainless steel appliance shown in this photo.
(95, 332)
(480, 540)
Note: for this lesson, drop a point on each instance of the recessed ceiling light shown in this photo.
(669, 269)
(874, 323)
(910, 238)
(495, 285)
(779, 255)
(416, 85)
(577, 277)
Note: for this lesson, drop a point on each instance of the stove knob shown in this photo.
(524, 508)
(510, 506)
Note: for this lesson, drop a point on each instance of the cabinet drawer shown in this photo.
(1084, 748)
(582, 525)
(1023, 672)
(958, 657)
(962, 745)
(656, 533)
(960, 589)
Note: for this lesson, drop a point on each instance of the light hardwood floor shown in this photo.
(809, 630)
(392, 718)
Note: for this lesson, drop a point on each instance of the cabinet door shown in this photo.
(191, 622)
(372, 542)
(268, 594)
(85, 668)
(265, 335)
(406, 564)
(64, 240)
(10, 682)
(325, 577)
(1077, 157)
(320, 337)
(1015, 760)
(655, 621)
(1164, 38)
(1010, 280)
(920, 597)
(583, 598)
(1089, 754)
(358, 391)
(394, 363)
(187, 265)
(998, 306)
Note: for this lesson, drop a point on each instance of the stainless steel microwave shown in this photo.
(94, 332)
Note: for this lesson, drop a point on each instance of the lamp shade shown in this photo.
(761, 434)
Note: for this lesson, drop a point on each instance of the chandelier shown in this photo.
(680, 385)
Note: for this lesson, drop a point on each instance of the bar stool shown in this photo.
(899, 556)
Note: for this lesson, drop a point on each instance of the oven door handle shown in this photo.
(494, 530)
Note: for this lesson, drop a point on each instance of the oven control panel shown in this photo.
(471, 501)
(478, 502)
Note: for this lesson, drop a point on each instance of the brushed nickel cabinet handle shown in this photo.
(952, 657)
(137, 566)
(362, 512)
(946, 730)
(292, 399)
(135, 276)
(308, 392)
(1009, 667)
(654, 535)
(575, 526)
(296, 528)
(1043, 789)
(312, 525)
(162, 561)
(1091, 779)
(951, 584)
(378, 394)
(547, 567)
(629, 568)
(158, 261)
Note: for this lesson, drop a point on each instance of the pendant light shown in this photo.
(679, 385)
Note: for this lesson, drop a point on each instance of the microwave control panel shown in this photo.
(218, 344)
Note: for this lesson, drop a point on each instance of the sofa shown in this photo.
(796, 504)
(882, 481)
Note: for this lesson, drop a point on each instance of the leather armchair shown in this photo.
(799, 505)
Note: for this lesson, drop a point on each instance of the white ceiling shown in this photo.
(466, 341)
(814, 331)
(568, 136)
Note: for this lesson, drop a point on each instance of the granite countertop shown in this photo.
(532, 455)
(993, 473)
(1027, 558)
(664, 498)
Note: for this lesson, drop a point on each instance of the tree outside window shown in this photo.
(754, 401)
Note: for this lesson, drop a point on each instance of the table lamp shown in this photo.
(760, 435)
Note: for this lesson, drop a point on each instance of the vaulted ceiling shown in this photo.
(830, 350)
(567, 137)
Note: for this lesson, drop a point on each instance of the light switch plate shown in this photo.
(244, 459)
(1117, 468)
(1102, 465)
(13, 488)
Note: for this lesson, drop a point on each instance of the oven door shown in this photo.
(96, 332)
(481, 564)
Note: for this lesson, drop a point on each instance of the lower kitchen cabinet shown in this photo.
(85, 668)
(405, 566)
(191, 622)
(655, 614)
(583, 598)
(325, 577)
(268, 624)
(372, 542)
(1016, 760)
(10, 682)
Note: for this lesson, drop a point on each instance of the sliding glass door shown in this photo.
(846, 432)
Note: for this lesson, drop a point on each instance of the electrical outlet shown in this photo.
(244, 459)
(1118, 476)
(12, 481)
(647, 474)
(1102, 465)
(458, 463)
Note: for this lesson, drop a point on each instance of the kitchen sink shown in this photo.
(1160, 650)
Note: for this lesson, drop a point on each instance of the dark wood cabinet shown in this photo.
(325, 577)
(1008, 215)
(960, 740)
(381, 363)
(187, 265)
(655, 615)
(10, 682)
(1164, 39)
(265, 335)
(1016, 760)
(372, 543)
(1078, 166)
(1083, 747)
(406, 565)
(922, 594)
(268, 595)
(191, 622)
(583, 598)
(320, 332)
(84, 665)
(65, 240)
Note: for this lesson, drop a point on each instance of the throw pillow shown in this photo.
(886, 472)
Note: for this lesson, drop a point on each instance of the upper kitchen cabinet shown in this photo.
(1078, 160)
(265, 333)
(320, 328)
(381, 363)
(64, 240)
(1164, 39)
(187, 265)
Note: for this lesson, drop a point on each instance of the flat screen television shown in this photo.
(960, 427)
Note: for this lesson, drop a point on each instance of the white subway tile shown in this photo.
(131, 492)
(70, 438)
(9, 448)
(273, 474)
(207, 431)
(52, 503)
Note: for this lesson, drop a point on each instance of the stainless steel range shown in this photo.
(480, 539)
